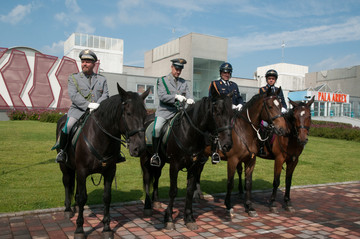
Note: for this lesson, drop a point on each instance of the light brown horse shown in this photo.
(287, 149)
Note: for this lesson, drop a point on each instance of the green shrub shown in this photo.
(51, 116)
(334, 130)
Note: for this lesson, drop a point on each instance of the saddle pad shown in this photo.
(165, 131)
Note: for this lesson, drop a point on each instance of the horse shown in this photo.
(245, 134)
(208, 118)
(98, 146)
(288, 148)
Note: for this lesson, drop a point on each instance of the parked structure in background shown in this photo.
(33, 80)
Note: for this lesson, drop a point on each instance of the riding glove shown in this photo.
(93, 106)
(180, 98)
(237, 107)
(190, 101)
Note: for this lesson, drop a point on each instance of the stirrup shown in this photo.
(215, 158)
(155, 161)
(61, 157)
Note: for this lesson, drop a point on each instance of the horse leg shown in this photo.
(108, 179)
(231, 165)
(249, 168)
(198, 194)
(277, 172)
(189, 219)
(290, 168)
(168, 218)
(239, 171)
(155, 194)
(81, 201)
(68, 180)
(147, 178)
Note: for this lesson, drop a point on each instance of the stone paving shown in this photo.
(322, 211)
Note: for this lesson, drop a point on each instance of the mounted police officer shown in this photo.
(86, 90)
(271, 76)
(224, 86)
(170, 88)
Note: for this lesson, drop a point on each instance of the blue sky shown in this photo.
(320, 34)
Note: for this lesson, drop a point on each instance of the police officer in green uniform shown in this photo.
(86, 90)
(170, 88)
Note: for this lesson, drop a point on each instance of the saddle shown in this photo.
(75, 131)
(165, 131)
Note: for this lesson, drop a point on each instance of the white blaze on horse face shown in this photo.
(302, 113)
(276, 102)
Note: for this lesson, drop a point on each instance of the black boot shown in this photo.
(155, 159)
(263, 135)
(62, 155)
(120, 158)
(261, 149)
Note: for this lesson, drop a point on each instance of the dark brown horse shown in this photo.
(287, 149)
(245, 134)
(209, 117)
(98, 147)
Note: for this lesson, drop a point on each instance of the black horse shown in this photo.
(208, 118)
(98, 146)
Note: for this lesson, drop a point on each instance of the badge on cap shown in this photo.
(87, 55)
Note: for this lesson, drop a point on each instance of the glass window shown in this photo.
(83, 40)
(316, 108)
(108, 43)
(96, 42)
(77, 39)
(205, 71)
(102, 42)
(91, 41)
(322, 109)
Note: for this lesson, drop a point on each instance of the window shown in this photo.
(140, 88)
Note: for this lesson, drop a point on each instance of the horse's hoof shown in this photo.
(290, 209)
(170, 226)
(147, 212)
(157, 205)
(68, 214)
(253, 214)
(230, 212)
(192, 226)
(79, 236)
(108, 235)
(274, 210)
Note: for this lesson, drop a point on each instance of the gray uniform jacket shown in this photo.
(166, 94)
(82, 93)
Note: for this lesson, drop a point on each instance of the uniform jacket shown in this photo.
(167, 108)
(263, 90)
(222, 89)
(96, 92)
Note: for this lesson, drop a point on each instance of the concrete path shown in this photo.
(322, 211)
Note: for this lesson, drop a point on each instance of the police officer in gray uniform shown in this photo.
(86, 90)
(170, 88)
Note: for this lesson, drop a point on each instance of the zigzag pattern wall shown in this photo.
(32, 80)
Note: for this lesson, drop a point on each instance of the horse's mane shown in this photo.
(108, 112)
(252, 101)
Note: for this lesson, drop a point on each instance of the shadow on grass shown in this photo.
(47, 161)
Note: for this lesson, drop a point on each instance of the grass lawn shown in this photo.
(30, 179)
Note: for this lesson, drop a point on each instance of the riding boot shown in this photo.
(120, 158)
(155, 159)
(263, 135)
(62, 155)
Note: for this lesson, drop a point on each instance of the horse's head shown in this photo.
(271, 112)
(133, 119)
(301, 120)
(222, 114)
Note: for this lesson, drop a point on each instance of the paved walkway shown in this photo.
(322, 211)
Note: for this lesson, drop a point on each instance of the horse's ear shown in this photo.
(121, 91)
(293, 103)
(311, 101)
(278, 91)
(145, 94)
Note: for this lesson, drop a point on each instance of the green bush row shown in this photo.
(51, 116)
(334, 130)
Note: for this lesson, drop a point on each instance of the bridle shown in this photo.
(213, 135)
(128, 133)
